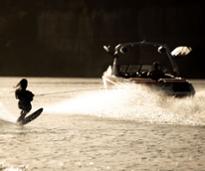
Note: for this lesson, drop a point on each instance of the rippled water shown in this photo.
(85, 127)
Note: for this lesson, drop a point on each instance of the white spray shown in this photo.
(135, 102)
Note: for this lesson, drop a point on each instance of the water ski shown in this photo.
(31, 117)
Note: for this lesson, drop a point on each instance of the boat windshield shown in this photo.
(141, 58)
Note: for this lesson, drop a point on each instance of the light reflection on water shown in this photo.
(95, 129)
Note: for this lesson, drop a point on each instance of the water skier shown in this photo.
(25, 97)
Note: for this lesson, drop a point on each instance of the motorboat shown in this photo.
(151, 64)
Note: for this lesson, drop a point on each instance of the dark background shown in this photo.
(65, 37)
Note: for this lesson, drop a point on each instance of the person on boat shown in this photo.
(157, 71)
(25, 97)
(115, 67)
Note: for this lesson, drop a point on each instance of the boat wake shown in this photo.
(135, 102)
(6, 116)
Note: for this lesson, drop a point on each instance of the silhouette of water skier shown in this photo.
(25, 97)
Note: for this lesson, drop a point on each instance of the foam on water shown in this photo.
(135, 102)
(4, 166)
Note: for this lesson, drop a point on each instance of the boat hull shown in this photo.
(177, 86)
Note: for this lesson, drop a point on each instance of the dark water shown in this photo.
(85, 127)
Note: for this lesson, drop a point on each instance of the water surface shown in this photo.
(85, 127)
